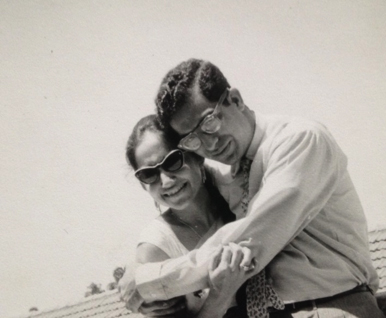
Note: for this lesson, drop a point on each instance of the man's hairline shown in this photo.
(192, 91)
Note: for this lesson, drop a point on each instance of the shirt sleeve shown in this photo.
(303, 169)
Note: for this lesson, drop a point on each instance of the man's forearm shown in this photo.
(174, 277)
(185, 274)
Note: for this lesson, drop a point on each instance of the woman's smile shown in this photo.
(174, 191)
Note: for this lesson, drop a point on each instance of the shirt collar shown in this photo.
(260, 126)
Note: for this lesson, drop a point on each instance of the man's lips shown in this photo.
(221, 151)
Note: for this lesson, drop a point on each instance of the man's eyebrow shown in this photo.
(199, 123)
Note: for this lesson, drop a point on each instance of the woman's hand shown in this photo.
(175, 307)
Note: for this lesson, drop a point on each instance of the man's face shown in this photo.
(227, 145)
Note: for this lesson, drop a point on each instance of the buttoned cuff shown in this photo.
(148, 283)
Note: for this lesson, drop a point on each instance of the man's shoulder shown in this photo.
(289, 126)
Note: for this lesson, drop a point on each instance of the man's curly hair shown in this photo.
(175, 90)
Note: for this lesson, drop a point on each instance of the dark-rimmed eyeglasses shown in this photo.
(210, 124)
(172, 162)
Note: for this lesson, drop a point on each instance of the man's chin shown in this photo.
(228, 155)
(229, 160)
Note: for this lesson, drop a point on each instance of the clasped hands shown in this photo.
(229, 267)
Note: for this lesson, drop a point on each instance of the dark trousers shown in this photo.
(357, 305)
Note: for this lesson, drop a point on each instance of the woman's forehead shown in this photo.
(151, 150)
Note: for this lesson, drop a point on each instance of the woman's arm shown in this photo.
(149, 253)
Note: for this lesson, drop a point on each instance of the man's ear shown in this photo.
(201, 160)
(197, 157)
(235, 97)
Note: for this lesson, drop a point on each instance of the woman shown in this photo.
(195, 211)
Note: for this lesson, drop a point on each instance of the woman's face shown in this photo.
(173, 189)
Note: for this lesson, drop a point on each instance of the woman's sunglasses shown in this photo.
(173, 161)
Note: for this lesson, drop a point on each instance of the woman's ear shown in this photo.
(158, 207)
(235, 97)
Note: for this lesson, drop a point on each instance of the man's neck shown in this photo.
(252, 121)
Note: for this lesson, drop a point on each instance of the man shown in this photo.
(304, 221)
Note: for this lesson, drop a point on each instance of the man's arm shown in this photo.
(149, 253)
(303, 171)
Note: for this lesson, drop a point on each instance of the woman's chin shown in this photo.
(180, 199)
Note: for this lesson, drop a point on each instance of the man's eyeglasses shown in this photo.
(210, 124)
(173, 161)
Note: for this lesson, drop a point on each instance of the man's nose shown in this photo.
(209, 141)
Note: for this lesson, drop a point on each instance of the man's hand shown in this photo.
(175, 307)
(230, 267)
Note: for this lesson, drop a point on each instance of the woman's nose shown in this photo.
(166, 179)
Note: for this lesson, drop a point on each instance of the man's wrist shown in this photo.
(129, 291)
(148, 282)
(134, 301)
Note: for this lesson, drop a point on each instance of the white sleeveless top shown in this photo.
(160, 234)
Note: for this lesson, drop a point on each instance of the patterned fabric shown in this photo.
(259, 293)
(245, 166)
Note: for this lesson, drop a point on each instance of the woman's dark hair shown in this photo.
(171, 139)
(148, 123)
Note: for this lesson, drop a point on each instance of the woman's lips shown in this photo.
(175, 190)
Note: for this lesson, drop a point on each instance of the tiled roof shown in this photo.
(105, 305)
(377, 240)
(108, 304)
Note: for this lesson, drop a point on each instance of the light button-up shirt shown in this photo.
(305, 222)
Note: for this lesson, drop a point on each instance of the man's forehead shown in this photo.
(191, 113)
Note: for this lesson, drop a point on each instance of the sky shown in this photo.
(75, 76)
